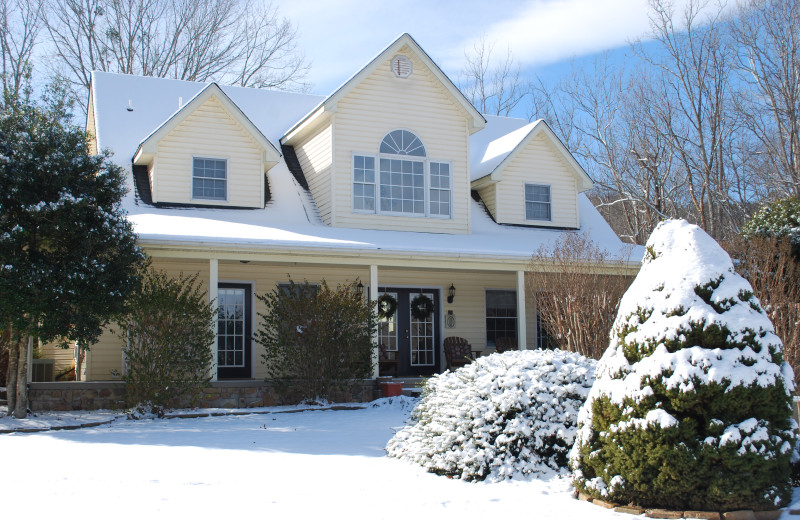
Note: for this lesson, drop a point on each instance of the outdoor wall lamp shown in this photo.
(360, 290)
(451, 293)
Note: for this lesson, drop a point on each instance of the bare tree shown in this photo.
(20, 25)
(691, 74)
(577, 294)
(239, 42)
(493, 87)
(768, 34)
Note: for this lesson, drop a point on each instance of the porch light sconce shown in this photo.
(451, 293)
(360, 290)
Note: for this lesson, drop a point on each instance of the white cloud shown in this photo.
(340, 37)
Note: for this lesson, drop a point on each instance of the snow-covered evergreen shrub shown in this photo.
(779, 219)
(691, 407)
(503, 416)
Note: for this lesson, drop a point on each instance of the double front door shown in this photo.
(408, 336)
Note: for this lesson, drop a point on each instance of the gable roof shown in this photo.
(490, 157)
(148, 147)
(477, 121)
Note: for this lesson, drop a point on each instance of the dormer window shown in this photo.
(406, 183)
(537, 202)
(209, 179)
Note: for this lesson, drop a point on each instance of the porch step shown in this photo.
(412, 386)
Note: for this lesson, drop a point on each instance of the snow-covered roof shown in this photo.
(127, 109)
(490, 153)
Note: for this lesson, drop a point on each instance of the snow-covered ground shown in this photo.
(311, 464)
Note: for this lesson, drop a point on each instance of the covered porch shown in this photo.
(476, 297)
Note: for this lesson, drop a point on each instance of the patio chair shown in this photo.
(458, 352)
(504, 344)
(387, 361)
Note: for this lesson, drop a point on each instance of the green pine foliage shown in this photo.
(691, 407)
(68, 256)
(316, 336)
(780, 219)
(168, 333)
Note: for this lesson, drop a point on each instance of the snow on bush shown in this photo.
(503, 416)
(691, 407)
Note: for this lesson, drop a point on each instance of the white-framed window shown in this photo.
(400, 180)
(501, 315)
(537, 202)
(364, 183)
(440, 189)
(209, 178)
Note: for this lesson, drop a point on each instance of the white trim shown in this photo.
(522, 317)
(213, 297)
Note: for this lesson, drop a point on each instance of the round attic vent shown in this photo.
(401, 66)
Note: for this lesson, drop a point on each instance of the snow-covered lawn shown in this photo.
(311, 464)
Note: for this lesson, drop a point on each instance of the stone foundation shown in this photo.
(110, 395)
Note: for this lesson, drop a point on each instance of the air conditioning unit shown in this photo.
(43, 370)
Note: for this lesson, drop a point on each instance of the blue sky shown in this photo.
(341, 36)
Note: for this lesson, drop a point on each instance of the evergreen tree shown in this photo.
(691, 406)
(68, 256)
(779, 220)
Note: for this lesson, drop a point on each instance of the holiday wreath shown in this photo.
(421, 307)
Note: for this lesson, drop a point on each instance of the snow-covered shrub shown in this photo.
(691, 407)
(779, 219)
(503, 416)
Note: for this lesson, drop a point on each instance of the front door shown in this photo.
(234, 328)
(414, 337)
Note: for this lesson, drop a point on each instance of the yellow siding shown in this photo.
(91, 128)
(538, 163)
(63, 356)
(315, 156)
(209, 132)
(382, 103)
(489, 198)
(104, 360)
(468, 306)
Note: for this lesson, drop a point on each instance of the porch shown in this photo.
(488, 301)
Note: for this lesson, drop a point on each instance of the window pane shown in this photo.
(537, 202)
(363, 183)
(501, 315)
(402, 142)
(209, 179)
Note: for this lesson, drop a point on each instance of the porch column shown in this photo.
(213, 298)
(522, 330)
(373, 300)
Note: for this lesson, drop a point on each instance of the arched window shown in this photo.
(402, 142)
(406, 183)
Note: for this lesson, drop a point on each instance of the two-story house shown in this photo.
(394, 179)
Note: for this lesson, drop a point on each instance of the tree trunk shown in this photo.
(21, 409)
(78, 361)
(11, 380)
